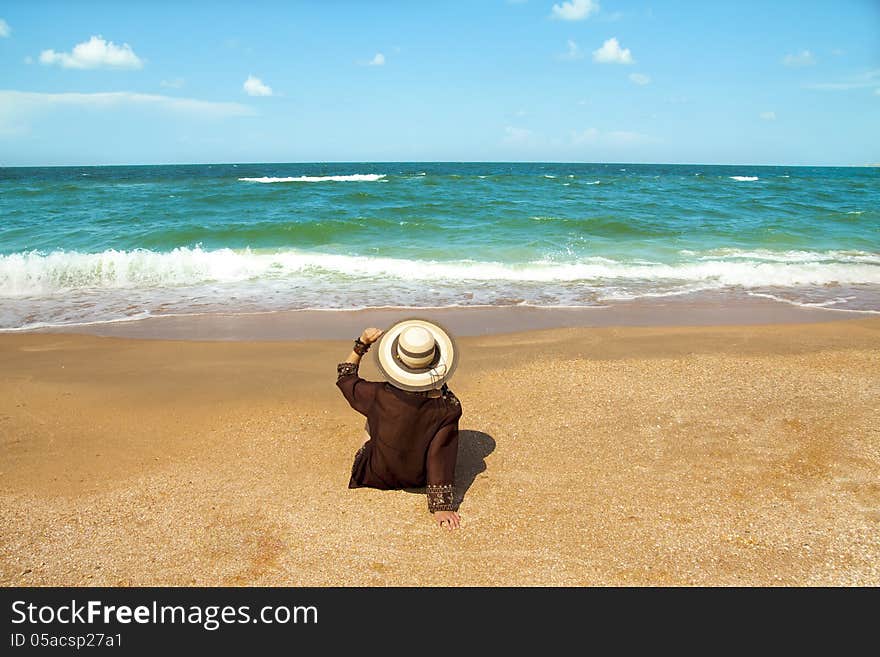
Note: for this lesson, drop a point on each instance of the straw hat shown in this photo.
(416, 355)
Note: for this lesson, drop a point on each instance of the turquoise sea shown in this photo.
(101, 244)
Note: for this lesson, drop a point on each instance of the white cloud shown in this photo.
(575, 10)
(94, 53)
(378, 60)
(5, 30)
(639, 78)
(612, 53)
(573, 52)
(802, 58)
(174, 83)
(17, 108)
(254, 86)
(514, 135)
(768, 116)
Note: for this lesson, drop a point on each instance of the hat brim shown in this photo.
(404, 377)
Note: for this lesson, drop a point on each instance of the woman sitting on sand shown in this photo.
(412, 419)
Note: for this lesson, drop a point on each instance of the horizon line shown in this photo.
(162, 164)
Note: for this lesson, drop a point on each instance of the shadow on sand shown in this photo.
(473, 448)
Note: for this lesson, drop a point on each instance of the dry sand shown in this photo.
(678, 455)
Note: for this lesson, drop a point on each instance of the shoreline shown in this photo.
(695, 309)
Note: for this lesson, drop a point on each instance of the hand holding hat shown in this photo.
(370, 335)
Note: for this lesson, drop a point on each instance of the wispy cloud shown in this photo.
(513, 135)
(378, 60)
(117, 98)
(612, 53)
(802, 58)
(94, 53)
(5, 30)
(866, 80)
(610, 138)
(584, 136)
(639, 78)
(573, 51)
(254, 86)
(174, 83)
(768, 116)
(18, 108)
(575, 10)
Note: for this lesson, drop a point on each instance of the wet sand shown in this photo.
(726, 455)
(698, 309)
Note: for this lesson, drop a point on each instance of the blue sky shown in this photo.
(576, 80)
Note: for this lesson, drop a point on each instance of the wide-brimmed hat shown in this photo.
(416, 354)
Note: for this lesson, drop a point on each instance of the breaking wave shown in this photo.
(40, 274)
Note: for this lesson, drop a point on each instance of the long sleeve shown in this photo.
(442, 454)
(359, 393)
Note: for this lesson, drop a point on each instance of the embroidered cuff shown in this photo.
(345, 369)
(440, 497)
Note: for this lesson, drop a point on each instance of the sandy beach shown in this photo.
(646, 455)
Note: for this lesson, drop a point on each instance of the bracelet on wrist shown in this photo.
(360, 347)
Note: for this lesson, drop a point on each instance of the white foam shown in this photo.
(36, 274)
(356, 177)
(788, 256)
(744, 178)
(595, 182)
(824, 305)
(547, 175)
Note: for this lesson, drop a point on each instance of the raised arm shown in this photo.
(358, 392)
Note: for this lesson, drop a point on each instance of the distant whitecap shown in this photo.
(357, 177)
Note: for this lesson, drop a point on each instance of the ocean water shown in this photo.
(101, 244)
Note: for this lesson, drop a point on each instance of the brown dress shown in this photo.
(413, 437)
